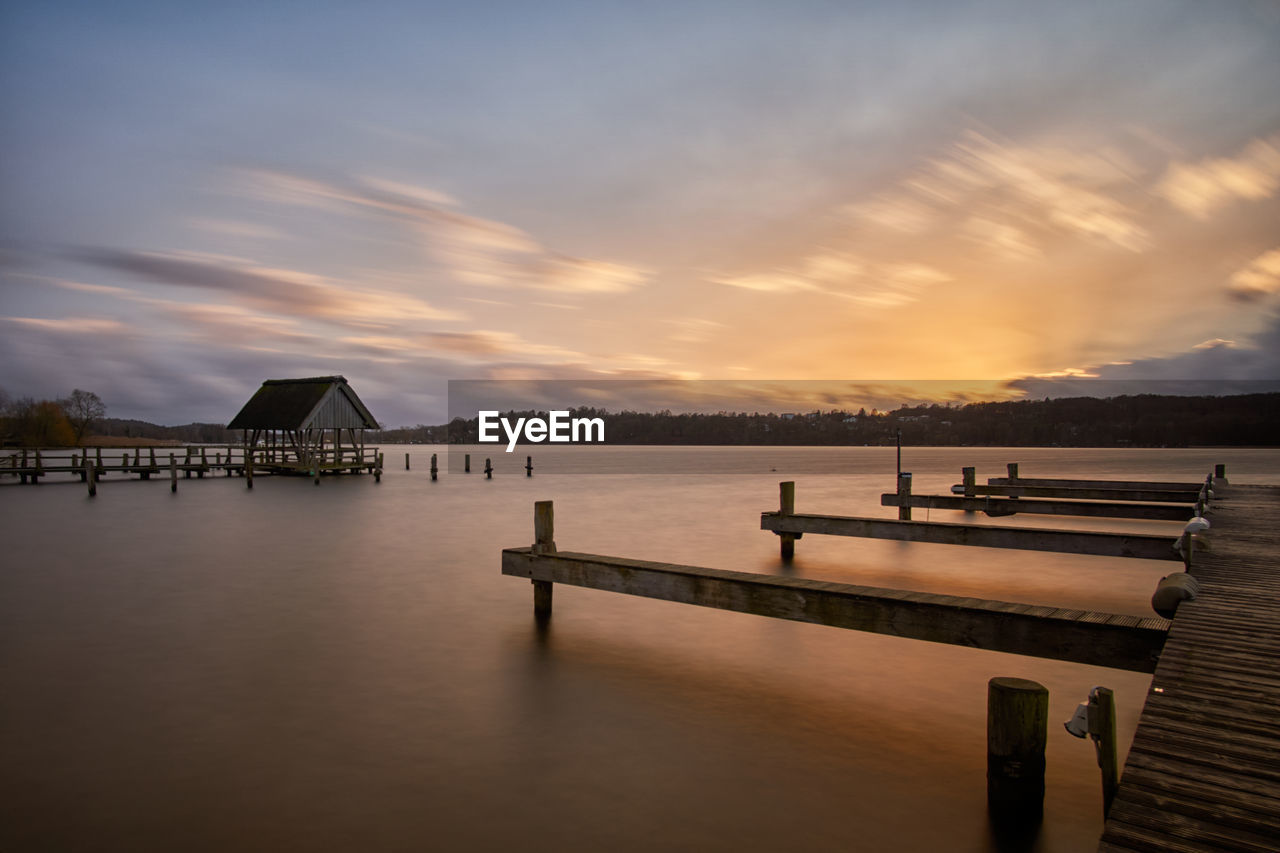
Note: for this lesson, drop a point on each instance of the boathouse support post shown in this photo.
(1017, 730)
(543, 543)
(787, 506)
(904, 496)
(248, 469)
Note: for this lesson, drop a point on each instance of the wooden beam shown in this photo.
(997, 507)
(1094, 543)
(1090, 494)
(1095, 639)
(1094, 484)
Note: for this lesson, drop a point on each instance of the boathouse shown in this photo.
(302, 423)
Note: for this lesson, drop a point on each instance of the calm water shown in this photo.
(343, 667)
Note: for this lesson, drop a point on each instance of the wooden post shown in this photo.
(1102, 726)
(544, 542)
(466, 463)
(1220, 473)
(433, 466)
(1017, 729)
(969, 476)
(406, 462)
(377, 471)
(1013, 475)
(904, 496)
(173, 473)
(528, 466)
(488, 469)
(787, 506)
(90, 476)
(248, 468)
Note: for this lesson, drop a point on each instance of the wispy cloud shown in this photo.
(1203, 187)
(282, 291)
(472, 249)
(846, 276)
(1260, 278)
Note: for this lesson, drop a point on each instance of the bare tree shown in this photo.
(83, 408)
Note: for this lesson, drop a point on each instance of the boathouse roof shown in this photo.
(318, 402)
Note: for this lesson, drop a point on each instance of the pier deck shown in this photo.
(1204, 769)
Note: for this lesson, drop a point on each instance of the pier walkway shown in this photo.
(1204, 769)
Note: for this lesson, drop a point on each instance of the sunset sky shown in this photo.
(197, 197)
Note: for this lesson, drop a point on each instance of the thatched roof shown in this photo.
(319, 402)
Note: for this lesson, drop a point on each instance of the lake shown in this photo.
(343, 667)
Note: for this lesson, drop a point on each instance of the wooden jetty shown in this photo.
(1099, 639)
(1203, 773)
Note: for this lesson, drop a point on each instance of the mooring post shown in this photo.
(528, 466)
(787, 506)
(543, 543)
(1017, 729)
(488, 469)
(1013, 475)
(433, 466)
(1102, 726)
(969, 476)
(90, 476)
(406, 462)
(377, 472)
(173, 473)
(466, 463)
(904, 496)
(248, 469)
(1220, 473)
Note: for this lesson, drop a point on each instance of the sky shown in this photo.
(195, 197)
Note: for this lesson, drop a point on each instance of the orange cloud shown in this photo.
(1201, 188)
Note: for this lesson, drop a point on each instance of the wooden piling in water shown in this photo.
(173, 473)
(1017, 730)
(90, 476)
(528, 466)
(1102, 725)
(406, 462)
(787, 506)
(969, 477)
(488, 469)
(434, 469)
(248, 469)
(466, 463)
(544, 542)
(904, 496)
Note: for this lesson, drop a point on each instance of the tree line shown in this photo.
(28, 422)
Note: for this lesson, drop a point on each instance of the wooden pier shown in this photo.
(1099, 639)
(1203, 773)
(144, 462)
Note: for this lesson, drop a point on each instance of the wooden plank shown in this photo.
(999, 507)
(1103, 640)
(1094, 543)
(1094, 484)
(1145, 495)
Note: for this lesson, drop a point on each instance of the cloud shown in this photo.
(1201, 188)
(474, 250)
(281, 291)
(846, 276)
(1260, 278)
(1215, 366)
